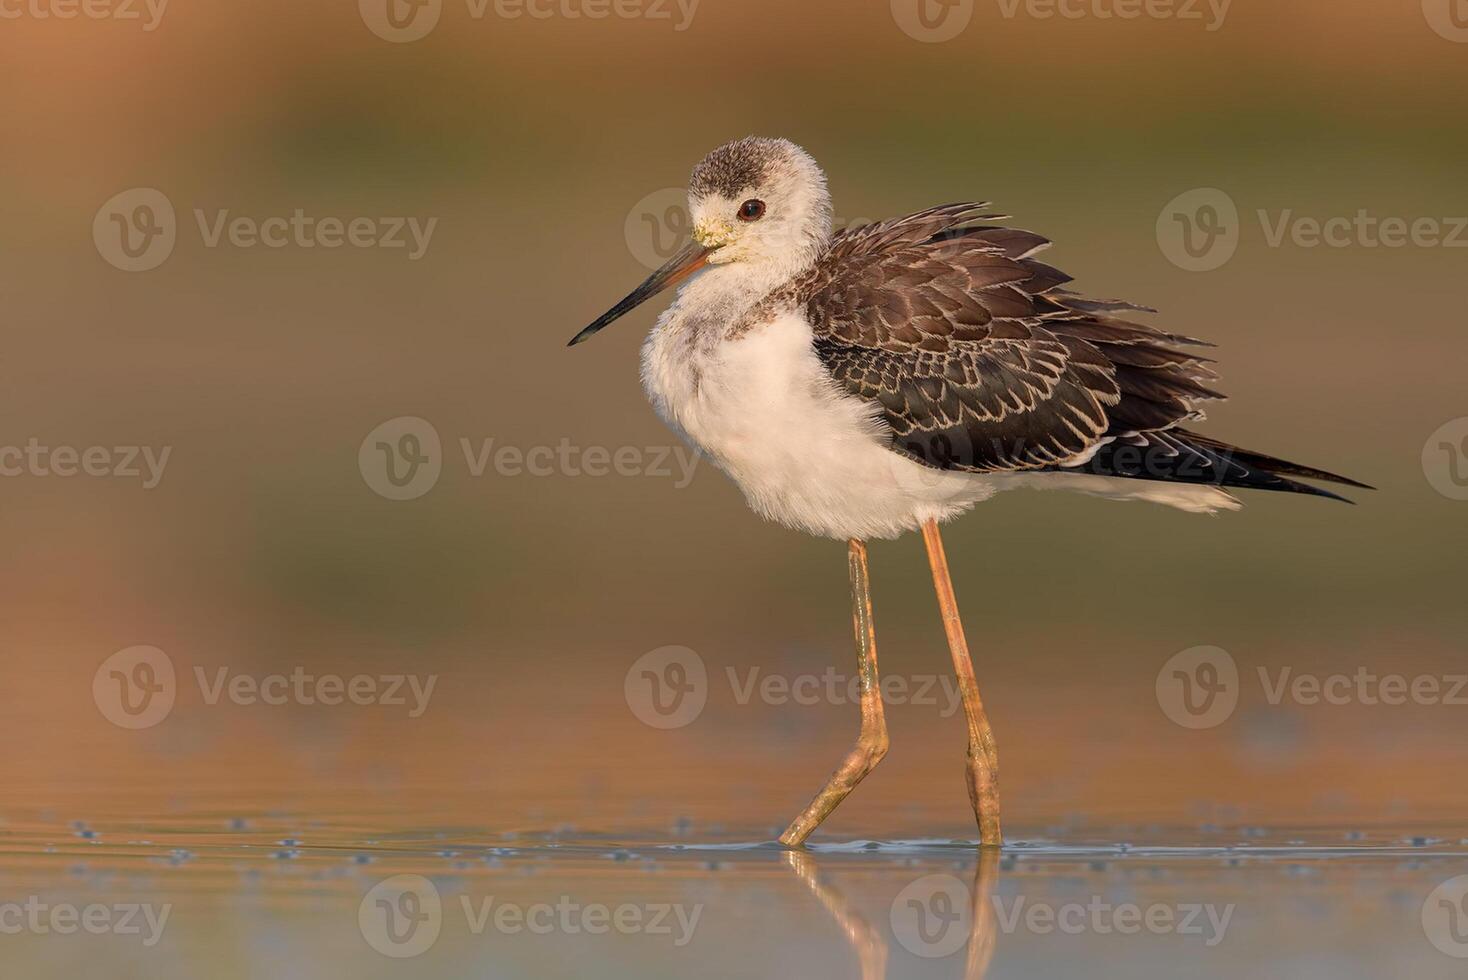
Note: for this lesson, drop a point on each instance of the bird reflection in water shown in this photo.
(870, 942)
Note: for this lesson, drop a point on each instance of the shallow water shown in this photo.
(366, 895)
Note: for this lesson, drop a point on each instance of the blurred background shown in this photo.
(530, 167)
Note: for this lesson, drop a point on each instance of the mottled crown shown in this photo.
(750, 162)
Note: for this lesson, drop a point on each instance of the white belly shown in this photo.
(763, 409)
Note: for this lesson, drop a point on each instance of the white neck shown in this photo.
(721, 293)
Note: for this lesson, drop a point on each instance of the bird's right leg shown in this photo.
(983, 756)
(871, 744)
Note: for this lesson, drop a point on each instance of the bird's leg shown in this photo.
(871, 744)
(983, 755)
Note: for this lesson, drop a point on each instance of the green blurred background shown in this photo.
(534, 143)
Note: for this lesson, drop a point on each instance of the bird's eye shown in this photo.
(751, 210)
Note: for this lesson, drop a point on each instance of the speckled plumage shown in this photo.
(738, 166)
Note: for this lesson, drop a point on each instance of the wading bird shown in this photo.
(885, 378)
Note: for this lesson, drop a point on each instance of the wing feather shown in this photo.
(973, 354)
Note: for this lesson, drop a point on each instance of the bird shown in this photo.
(885, 378)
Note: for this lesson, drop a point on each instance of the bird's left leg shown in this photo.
(871, 745)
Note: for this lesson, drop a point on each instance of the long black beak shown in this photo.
(690, 259)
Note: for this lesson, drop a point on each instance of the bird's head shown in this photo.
(760, 200)
(755, 201)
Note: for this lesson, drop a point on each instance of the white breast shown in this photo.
(762, 407)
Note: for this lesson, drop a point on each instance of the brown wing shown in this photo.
(975, 356)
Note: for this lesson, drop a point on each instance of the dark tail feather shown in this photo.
(1180, 456)
(1280, 466)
